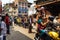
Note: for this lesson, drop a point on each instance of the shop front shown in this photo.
(52, 8)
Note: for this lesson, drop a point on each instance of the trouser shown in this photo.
(26, 25)
(30, 28)
(8, 29)
(1, 37)
(4, 37)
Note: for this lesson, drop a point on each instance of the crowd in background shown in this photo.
(40, 21)
(50, 23)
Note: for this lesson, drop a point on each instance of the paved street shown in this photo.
(20, 33)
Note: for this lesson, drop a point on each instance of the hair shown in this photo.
(6, 14)
(2, 19)
(51, 18)
(40, 17)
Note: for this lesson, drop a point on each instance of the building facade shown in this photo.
(22, 6)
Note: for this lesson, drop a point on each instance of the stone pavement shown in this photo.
(20, 33)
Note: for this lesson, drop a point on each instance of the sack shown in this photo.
(54, 35)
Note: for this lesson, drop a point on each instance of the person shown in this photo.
(30, 24)
(7, 21)
(1, 36)
(23, 24)
(42, 22)
(58, 26)
(0, 25)
(4, 29)
(25, 21)
(50, 25)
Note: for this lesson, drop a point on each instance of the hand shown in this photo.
(58, 28)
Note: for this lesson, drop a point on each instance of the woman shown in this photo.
(41, 26)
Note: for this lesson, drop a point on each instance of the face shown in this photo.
(44, 19)
(58, 20)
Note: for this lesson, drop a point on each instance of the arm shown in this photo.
(44, 23)
(58, 28)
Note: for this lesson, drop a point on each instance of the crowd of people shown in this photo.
(45, 21)
(50, 23)
(41, 21)
(4, 26)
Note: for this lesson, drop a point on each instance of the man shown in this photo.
(7, 21)
(30, 24)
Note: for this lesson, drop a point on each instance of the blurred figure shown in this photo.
(30, 24)
(1, 36)
(7, 21)
(25, 22)
(4, 29)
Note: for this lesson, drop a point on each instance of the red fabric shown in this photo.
(41, 27)
(7, 20)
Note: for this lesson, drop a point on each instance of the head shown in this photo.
(2, 19)
(51, 18)
(58, 19)
(31, 16)
(6, 14)
(44, 19)
(40, 17)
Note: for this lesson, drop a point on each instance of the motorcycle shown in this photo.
(47, 35)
